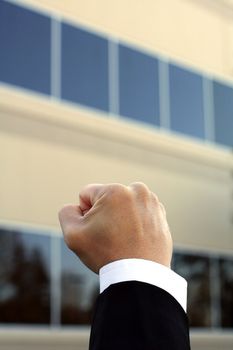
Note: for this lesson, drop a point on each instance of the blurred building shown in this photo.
(113, 91)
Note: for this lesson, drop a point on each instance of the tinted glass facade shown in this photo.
(196, 270)
(79, 287)
(83, 67)
(84, 75)
(186, 102)
(138, 85)
(30, 278)
(24, 278)
(226, 274)
(25, 48)
(223, 113)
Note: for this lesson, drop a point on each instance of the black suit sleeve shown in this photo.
(138, 316)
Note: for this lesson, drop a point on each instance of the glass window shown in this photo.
(24, 48)
(84, 67)
(24, 278)
(186, 102)
(138, 85)
(226, 277)
(196, 270)
(223, 113)
(80, 288)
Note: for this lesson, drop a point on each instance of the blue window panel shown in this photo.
(84, 68)
(186, 102)
(79, 289)
(223, 113)
(138, 85)
(25, 48)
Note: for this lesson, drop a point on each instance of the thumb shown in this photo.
(70, 217)
(89, 195)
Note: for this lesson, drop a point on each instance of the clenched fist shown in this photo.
(113, 222)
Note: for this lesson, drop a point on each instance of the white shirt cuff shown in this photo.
(145, 271)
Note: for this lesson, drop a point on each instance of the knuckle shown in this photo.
(140, 189)
(139, 185)
(118, 192)
(64, 210)
(162, 208)
(155, 198)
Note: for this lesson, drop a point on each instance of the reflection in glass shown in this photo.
(226, 273)
(138, 85)
(25, 47)
(186, 101)
(223, 106)
(24, 278)
(196, 270)
(84, 67)
(80, 289)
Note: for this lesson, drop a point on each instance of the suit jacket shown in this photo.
(138, 316)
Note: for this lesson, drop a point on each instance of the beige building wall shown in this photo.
(78, 340)
(195, 32)
(49, 149)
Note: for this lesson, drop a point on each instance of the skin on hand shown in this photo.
(114, 222)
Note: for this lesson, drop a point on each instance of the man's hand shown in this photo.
(114, 222)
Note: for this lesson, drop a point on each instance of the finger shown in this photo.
(139, 187)
(89, 195)
(70, 218)
(162, 208)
